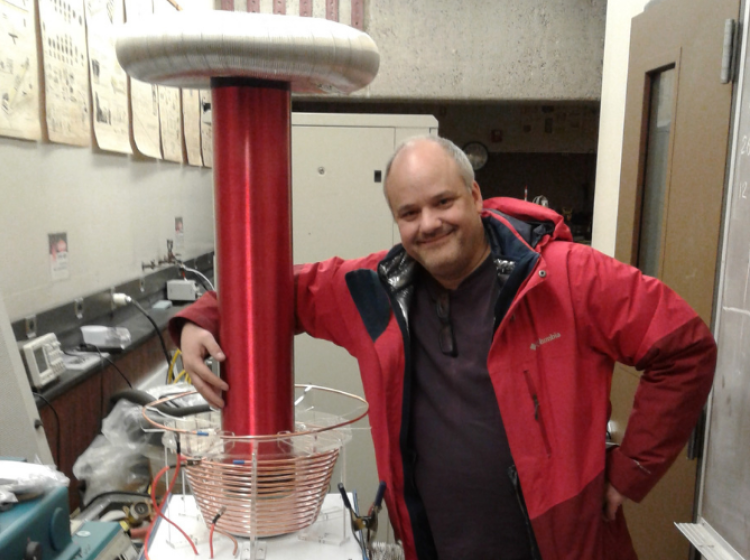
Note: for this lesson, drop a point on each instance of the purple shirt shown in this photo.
(461, 447)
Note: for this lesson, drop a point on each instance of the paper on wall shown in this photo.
(19, 78)
(66, 80)
(191, 101)
(207, 137)
(170, 121)
(191, 120)
(170, 108)
(109, 91)
(144, 97)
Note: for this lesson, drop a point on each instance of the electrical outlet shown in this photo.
(31, 326)
(78, 307)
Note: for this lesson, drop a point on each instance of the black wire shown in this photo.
(102, 406)
(102, 357)
(119, 371)
(158, 332)
(57, 426)
(115, 493)
(363, 548)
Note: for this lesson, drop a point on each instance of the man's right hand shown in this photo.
(196, 344)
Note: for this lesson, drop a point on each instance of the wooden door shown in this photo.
(674, 157)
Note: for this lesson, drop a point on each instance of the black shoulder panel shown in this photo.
(371, 300)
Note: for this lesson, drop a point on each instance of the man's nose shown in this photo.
(430, 222)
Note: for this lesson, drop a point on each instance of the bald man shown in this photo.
(486, 342)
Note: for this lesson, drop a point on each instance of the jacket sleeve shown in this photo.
(204, 313)
(321, 301)
(639, 321)
(324, 307)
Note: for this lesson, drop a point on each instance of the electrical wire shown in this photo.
(230, 537)
(57, 425)
(156, 328)
(222, 509)
(157, 507)
(102, 358)
(186, 375)
(119, 371)
(206, 281)
(211, 540)
(114, 493)
(170, 372)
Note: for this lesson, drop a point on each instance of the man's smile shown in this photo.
(436, 239)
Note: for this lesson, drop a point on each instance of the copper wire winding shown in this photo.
(268, 484)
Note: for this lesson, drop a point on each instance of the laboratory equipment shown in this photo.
(43, 358)
(266, 471)
(252, 62)
(265, 485)
(364, 527)
(111, 338)
(38, 528)
(101, 540)
(182, 290)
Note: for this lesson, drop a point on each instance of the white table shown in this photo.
(332, 526)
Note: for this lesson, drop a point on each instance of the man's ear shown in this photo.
(476, 194)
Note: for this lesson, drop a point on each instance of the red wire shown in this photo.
(231, 538)
(211, 539)
(157, 508)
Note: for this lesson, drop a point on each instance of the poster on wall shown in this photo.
(66, 78)
(170, 121)
(58, 256)
(179, 235)
(19, 76)
(109, 83)
(144, 98)
(207, 137)
(191, 100)
(191, 123)
(170, 106)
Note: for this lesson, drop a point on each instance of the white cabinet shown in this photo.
(339, 210)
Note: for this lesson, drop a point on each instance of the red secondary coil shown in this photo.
(252, 185)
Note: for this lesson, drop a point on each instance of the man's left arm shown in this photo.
(639, 321)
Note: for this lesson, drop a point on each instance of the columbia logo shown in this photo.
(541, 341)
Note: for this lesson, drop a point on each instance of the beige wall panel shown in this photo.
(503, 50)
(612, 117)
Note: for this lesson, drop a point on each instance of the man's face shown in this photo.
(437, 216)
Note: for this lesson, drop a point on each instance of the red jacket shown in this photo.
(566, 313)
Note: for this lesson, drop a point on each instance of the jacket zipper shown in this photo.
(425, 547)
(537, 411)
(523, 289)
(533, 546)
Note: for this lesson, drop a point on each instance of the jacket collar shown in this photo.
(511, 239)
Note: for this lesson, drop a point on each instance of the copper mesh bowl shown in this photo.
(266, 485)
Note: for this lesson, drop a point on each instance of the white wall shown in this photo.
(118, 211)
(614, 86)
